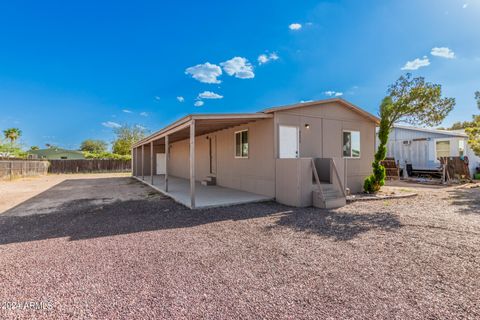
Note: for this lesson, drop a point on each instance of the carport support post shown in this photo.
(143, 161)
(166, 163)
(136, 162)
(192, 164)
(151, 162)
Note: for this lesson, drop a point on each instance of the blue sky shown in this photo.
(69, 70)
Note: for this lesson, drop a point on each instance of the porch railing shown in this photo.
(337, 176)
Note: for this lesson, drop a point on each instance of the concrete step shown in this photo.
(208, 183)
(329, 203)
(331, 199)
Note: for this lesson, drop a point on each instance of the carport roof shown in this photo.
(204, 124)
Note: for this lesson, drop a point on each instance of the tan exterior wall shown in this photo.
(254, 174)
(324, 137)
(294, 182)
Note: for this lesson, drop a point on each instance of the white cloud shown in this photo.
(111, 124)
(180, 99)
(157, 98)
(415, 64)
(206, 73)
(443, 52)
(209, 95)
(295, 26)
(199, 103)
(465, 5)
(140, 127)
(264, 58)
(144, 114)
(333, 93)
(238, 67)
(126, 111)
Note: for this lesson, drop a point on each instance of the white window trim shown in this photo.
(442, 140)
(235, 144)
(350, 157)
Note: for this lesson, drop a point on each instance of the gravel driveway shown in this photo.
(149, 257)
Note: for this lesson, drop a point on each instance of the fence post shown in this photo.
(11, 170)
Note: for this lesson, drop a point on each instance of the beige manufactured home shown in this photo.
(300, 155)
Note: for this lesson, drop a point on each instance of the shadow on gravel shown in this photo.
(337, 225)
(467, 201)
(85, 219)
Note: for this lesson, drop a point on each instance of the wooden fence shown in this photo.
(89, 165)
(10, 169)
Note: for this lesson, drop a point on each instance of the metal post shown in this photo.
(192, 164)
(151, 162)
(167, 155)
(143, 160)
(136, 162)
(131, 162)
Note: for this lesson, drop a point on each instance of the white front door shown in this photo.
(288, 138)
(161, 163)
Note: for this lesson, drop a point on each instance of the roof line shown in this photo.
(444, 132)
(316, 102)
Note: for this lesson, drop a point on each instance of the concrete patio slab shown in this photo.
(205, 196)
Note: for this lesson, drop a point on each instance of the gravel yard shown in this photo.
(97, 256)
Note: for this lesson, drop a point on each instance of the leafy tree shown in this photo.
(409, 100)
(106, 155)
(33, 148)
(12, 134)
(473, 130)
(417, 102)
(93, 146)
(127, 136)
(458, 125)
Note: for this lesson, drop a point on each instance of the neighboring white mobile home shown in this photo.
(422, 147)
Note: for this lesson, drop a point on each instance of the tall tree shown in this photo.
(93, 146)
(409, 100)
(12, 134)
(126, 137)
(473, 130)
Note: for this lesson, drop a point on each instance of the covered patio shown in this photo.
(205, 196)
(189, 191)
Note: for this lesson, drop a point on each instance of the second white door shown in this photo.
(288, 137)
(161, 163)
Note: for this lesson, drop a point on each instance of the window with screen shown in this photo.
(351, 144)
(442, 149)
(241, 144)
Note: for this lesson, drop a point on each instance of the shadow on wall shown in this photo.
(87, 218)
(466, 200)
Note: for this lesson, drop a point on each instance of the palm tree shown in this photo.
(12, 134)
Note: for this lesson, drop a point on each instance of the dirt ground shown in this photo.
(148, 257)
(105, 188)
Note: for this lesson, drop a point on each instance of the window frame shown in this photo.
(462, 147)
(449, 146)
(343, 144)
(235, 144)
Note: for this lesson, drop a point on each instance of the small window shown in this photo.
(443, 149)
(351, 144)
(241, 144)
(461, 148)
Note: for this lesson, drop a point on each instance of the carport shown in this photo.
(189, 192)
